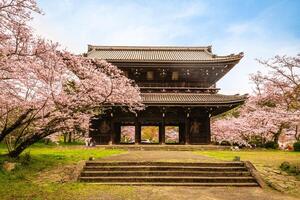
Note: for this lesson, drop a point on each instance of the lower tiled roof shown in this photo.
(191, 99)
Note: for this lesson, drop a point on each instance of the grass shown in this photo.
(63, 154)
(268, 164)
(22, 182)
(38, 178)
(272, 158)
(291, 169)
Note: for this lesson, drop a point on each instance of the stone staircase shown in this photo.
(168, 173)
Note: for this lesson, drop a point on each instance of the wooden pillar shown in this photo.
(208, 140)
(117, 129)
(162, 135)
(187, 128)
(112, 130)
(137, 139)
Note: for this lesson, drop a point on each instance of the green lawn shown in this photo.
(258, 157)
(268, 164)
(41, 177)
(52, 154)
(25, 182)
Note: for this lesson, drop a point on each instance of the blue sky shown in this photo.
(259, 28)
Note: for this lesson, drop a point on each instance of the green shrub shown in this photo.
(289, 168)
(77, 142)
(297, 146)
(225, 143)
(285, 166)
(271, 145)
(237, 158)
(25, 159)
(256, 141)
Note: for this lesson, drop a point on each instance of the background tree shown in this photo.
(272, 110)
(45, 90)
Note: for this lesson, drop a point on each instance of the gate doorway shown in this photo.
(127, 134)
(171, 134)
(149, 134)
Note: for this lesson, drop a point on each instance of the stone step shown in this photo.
(170, 179)
(177, 184)
(166, 147)
(163, 173)
(161, 168)
(217, 164)
(168, 173)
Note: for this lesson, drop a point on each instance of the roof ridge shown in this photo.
(193, 93)
(153, 47)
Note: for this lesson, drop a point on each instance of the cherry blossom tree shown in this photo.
(273, 109)
(46, 90)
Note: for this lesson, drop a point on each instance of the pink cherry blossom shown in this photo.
(46, 90)
(273, 109)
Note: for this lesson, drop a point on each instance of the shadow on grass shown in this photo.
(20, 183)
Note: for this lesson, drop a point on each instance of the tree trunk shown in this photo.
(297, 134)
(70, 138)
(278, 133)
(2, 136)
(48, 130)
(65, 138)
(18, 122)
(22, 146)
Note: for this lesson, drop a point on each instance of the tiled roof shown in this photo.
(157, 54)
(191, 98)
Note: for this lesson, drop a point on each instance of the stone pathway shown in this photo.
(203, 193)
(170, 156)
(210, 193)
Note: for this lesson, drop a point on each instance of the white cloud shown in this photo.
(254, 46)
(168, 23)
(115, 23)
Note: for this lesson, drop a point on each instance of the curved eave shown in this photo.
(192, 99)
(221, 104)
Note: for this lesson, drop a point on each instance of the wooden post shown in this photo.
(137, 137)
(162, 137)
(208, 139)
(187, 128)
(112, 131)
(187, 131)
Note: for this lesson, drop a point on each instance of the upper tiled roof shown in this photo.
(191, 98)
(157, 54)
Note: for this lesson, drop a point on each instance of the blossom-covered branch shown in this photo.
(45, 90)
(273, 109)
